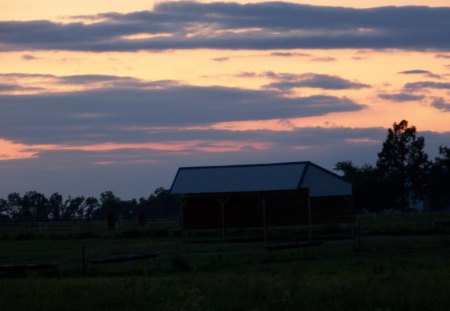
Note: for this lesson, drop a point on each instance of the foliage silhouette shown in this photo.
(402, 175)
(34, 206)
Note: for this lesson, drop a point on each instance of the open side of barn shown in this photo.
(261, 195)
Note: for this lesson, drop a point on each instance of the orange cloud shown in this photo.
(363, 140)
(15, 151)
(175, 146)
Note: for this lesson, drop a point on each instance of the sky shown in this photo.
(114, 95)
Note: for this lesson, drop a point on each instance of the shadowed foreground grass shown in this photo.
(402, 272)
(233, 291)
(386, 276)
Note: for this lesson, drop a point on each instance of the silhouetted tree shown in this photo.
(366, 187)
(15, 205)
(110, 204)
(159, 204)
(90, 206)
(129, 209)
(4, 212)
(56, 206)
(440, 180)
(72, 208)
(403, 165)
(34, 206)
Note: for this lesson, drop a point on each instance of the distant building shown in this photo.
(261, 195)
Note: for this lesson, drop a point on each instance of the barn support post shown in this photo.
(358, 235)
(309, 218)
(222, 202)
(83, 258)
(263, 201)
(183, 204)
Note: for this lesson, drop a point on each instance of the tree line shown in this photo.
(403, 175)
(35, 206)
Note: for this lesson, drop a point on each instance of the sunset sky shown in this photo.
(116, 95)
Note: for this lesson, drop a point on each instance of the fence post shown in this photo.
(358, 234)
(309, 219)
(83, 259)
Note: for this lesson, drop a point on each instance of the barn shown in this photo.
(261, 195)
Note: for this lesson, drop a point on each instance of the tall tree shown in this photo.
(15, 205)
(110, 203)
(4, 212)
(403, 165)
(72, 208)
(90, 206)
(366, 187)
(35, 206)
(56, 206)
(440, 180)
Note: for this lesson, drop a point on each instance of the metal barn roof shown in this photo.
(259, 178)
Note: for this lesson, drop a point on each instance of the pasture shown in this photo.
(401, 264)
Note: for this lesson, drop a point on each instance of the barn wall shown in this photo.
(245, 210)
(202, 213)
(288, 210)
(282, 209)
(335, 209)
(323, 183)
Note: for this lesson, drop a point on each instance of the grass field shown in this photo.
(403, 271)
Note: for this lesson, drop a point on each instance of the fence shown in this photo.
(72, 244)
(83, 228)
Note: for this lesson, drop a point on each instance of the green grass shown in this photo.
(403, 223)
(402, 274)
(85, 230)
(397, 224)
(389, 271)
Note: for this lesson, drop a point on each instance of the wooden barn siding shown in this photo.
(202, 214)
(282, 209)
(329, 210)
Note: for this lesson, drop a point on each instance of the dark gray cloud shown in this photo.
(10, 87)
(221, 59)
(445, 56)
(28, 57)
(441, 104)
(289, 54)
(248, 74)
(109, 81)
(88, 79)
(276, 54)
(285, 81)
(132, 173)
(415, 72)
(420, 72)
(416, 86)
(100, 115)
(156, 113)
(279, 25)
(24, 75)
(323, 59)
(92, 80)
(401, 97)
